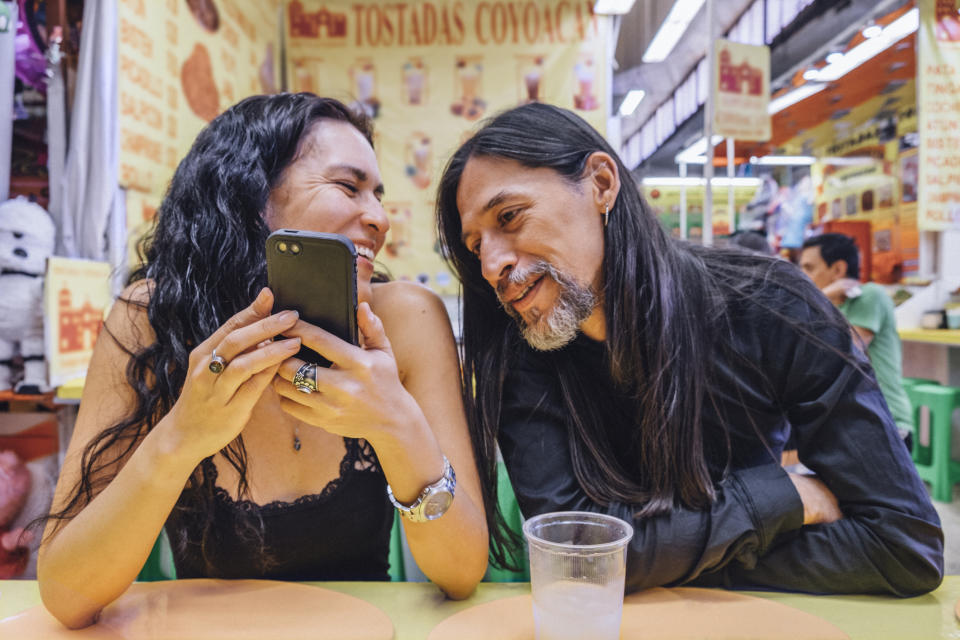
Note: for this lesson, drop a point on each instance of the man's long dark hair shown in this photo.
(665, 304)
(203, 262)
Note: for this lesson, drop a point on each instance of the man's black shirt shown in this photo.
(773, 379)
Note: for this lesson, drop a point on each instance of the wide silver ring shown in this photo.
(217, 363)
(305, 380)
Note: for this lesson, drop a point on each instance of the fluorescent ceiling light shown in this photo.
(836, 56)
(795, 96)
(674, 25)
(630, 103)
(850, 161)
(612, 7)
(872, 31)
(696, 153)
(784, 161)
(892, 33)
(672, 181)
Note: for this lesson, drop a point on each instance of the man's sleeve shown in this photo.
(866, 310)
(889, 540)
(753, 506)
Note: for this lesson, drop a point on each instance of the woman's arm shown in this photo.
(401, 393)
(89, 560)
(452, 551)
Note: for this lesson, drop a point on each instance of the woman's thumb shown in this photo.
(371, 327)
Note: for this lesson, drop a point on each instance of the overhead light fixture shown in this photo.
(872, 30)
(673, 181)
(800, 93)
(783, 161)
(631, 101)
(696, 153)
(674, 25)
(612, 7)
(850, 161)
(836, 56)
(810, 74)
(887, 36)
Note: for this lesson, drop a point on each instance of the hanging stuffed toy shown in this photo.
(26, 241)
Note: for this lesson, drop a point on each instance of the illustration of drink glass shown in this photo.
(413, 78)
(577, 570)
(304, 77)
(531, 80)
(469, 104)
(400, 232)
(364, 80)
(418, 163)
(469, 80)
(584, 99)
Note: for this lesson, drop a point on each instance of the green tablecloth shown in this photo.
(415, 608)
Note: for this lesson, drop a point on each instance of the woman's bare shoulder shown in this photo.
(405, 299)
(416, 322)
(127, 321)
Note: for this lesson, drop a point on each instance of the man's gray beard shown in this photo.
(574, 304)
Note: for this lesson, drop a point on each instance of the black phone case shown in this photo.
(319, 281)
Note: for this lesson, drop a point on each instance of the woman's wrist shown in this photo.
(409, 455)
(169, 451)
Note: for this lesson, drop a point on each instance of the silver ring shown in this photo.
(217, 363)
(305, 380)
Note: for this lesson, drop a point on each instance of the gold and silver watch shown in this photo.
(433, 501)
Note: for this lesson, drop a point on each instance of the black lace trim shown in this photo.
(359, 458)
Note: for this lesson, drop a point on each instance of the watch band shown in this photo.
(433, 501)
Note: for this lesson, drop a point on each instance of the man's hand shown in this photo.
(836, 291)
(819, 503)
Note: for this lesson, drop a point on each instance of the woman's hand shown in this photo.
(213, 408)
(360, 394)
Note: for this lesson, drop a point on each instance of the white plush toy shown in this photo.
(26, 241)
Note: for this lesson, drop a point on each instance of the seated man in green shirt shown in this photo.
(832, 261)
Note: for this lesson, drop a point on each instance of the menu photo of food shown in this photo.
(205, 11)
(199, 86)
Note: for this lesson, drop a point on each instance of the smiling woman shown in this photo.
(190, 410)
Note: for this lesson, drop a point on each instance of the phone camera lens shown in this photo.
(295, 248)
(282, 247)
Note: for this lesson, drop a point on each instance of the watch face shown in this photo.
(436, 504)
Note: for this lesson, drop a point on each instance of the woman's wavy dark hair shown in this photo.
(204, 261)
(666, 306)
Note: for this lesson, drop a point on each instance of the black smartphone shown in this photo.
(315, 274)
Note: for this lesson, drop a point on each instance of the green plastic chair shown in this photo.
(912, 382)
(397, 571)
(159, 564)
(511, 513)
(933, 462)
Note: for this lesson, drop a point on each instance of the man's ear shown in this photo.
(839, 269)
(603, 178)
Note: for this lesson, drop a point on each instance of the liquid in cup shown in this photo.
(569, 610)
(577, 572)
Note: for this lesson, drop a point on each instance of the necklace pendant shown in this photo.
(296, 443)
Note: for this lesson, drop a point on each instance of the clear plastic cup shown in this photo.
(578, 565)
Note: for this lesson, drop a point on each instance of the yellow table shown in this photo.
(935, 336)
(415, 608)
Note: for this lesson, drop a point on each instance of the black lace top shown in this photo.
(341, 533)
